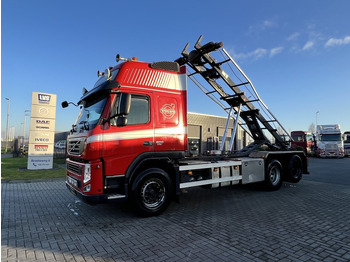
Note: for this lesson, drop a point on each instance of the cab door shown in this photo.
(123, 143)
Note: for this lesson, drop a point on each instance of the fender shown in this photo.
(142, 159)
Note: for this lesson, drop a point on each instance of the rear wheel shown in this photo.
(295, 169)
(273, 175)
(151, 192)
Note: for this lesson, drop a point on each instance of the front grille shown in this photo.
(75, 146)
(74, 168)
(331, 147)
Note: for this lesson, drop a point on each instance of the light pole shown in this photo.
(317, 118)
(24, 126)
(7, 124)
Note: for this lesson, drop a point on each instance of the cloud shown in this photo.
(268, 23)
(338, 41)
(308, 45)
(293, 36)
(256, 54)
(275, 51)
(259, 53)
(261, 26)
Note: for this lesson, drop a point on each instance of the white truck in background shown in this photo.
(329, 141)
(346, 140)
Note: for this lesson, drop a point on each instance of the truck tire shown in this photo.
(273, 175)
(151, 192)
(295, 169)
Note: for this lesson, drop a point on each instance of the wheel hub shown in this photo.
(153, 193)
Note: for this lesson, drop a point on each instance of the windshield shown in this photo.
(330, 137)
(90, 113)
(298, 138)
(347, 138)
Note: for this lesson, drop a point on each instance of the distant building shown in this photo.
(205, 133)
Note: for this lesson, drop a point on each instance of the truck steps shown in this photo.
(115, 196)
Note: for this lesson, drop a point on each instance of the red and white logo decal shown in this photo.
(168, 111)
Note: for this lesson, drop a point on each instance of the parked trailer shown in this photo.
(130, 139)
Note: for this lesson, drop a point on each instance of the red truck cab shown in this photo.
(303, 140)
(136, 113)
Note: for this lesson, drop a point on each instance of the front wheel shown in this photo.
(151, 192)
(273, 175)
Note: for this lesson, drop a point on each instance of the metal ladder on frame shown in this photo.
(252, 110)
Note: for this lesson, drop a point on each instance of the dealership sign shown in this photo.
(42, 131)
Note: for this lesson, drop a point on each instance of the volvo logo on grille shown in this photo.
(75, 147)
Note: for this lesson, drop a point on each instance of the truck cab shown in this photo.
(303, 140)
(346, 139)
(329, 141)
(135, 111)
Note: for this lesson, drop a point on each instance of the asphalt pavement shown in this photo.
(308, 221)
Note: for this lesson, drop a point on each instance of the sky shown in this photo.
(296, 52)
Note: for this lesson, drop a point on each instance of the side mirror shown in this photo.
(124, 104)
(122, 121)
(64, 104)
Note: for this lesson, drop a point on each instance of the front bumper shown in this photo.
(331, 155)
(95, 199)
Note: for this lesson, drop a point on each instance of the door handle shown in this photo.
(147, 143)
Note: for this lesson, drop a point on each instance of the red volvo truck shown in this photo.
(129, 141)
(304, 140)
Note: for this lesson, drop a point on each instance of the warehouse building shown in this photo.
(205, 133)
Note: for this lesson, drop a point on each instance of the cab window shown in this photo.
(139, 110)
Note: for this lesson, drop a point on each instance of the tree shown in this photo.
(312, 128)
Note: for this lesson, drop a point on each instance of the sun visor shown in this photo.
(105, 87)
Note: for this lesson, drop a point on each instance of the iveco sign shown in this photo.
(39, 139)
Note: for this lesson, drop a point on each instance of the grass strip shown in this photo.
(16, 169)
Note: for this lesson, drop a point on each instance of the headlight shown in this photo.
(87, 173)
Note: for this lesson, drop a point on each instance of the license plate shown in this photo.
(72, 190)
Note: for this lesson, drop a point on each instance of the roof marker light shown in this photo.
(119, 58)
